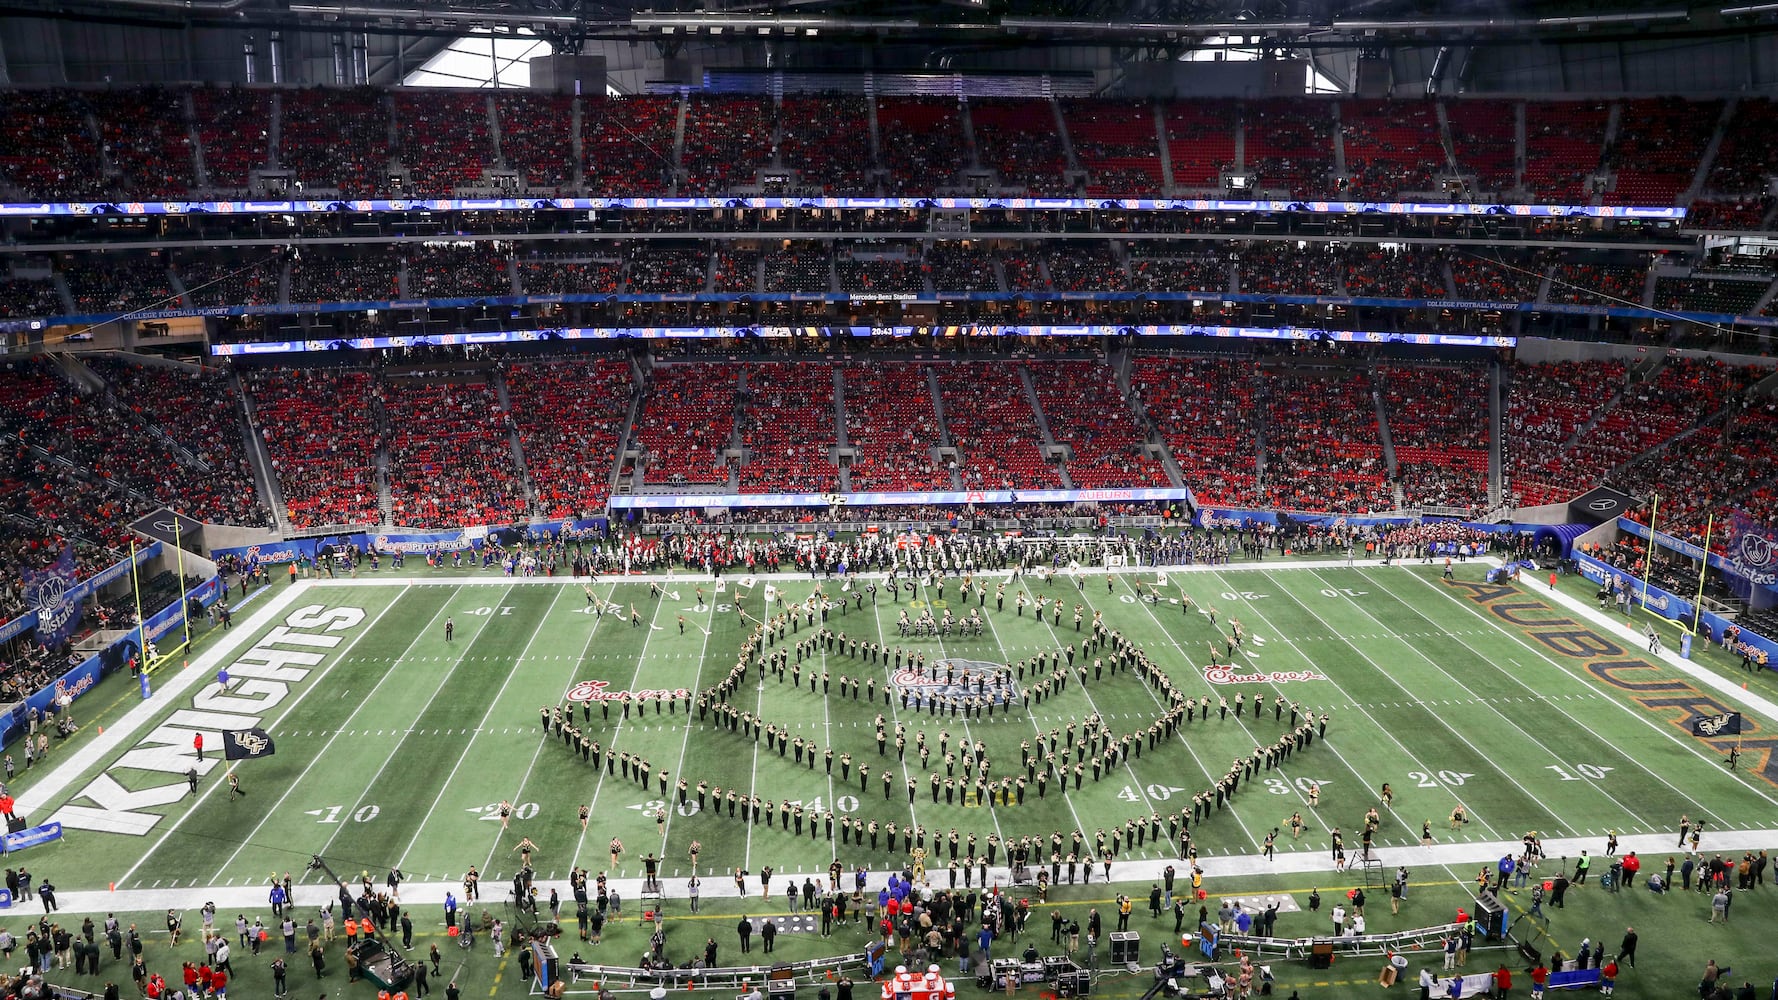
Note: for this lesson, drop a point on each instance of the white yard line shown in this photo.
(463, 754)
(313, 683)
(685, 737)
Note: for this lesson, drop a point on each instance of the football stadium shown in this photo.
(1139, 498)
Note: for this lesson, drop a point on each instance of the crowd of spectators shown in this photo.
(653, 270)
(1085, 409)
(450, 454)
(1503, 279)
(542, 276)
(228, 279)
(1438, 427)
(458, 270)
(1565, 141)
(785, 420)
(628, 144)
(1684, 393)
(442, 139)
(737, 270)
(1289, 269)
(961, 267)
(199, 412)
(336, 139)
(1201, 141)
(1735, 212)
(993, 427)
(320, 427)
(1023, 273)
(46, 149)
(107, 282)
(1289, 143)
(570, 414)
(1484, 137)
(1083, 266)
(1195, 273)
(797, 268)
(923, 142)
(687, 423)
(727, 140)
(881, 274)
(1656, 157)
(234, 127)
(1323, 452)
(1392, 146)
(1744, 159)
(1599, 284)
(535, 139)
(347, 277)
(27, 298)
(1395, 274)
(891, 423)
(1546, 405)
(1115, 143)
(1017, 139)
(826, 141)
(1205, 410)
(146, 140)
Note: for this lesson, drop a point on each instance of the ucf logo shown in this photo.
(245, 744)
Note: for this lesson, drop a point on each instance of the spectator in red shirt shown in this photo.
(1503, 981)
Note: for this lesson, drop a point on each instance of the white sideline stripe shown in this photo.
(165, 687)
(1651, 846)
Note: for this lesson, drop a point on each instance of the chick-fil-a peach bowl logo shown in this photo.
(1227, 675)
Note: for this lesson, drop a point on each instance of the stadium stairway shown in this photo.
(1389, 467)
(498, 378)
(1496, 432)
(1058, 454)
(843, 452)
(1120, 361)
(1708, 160)
(200, 173)
(1166, 154)
(944, 426)
(259, 458)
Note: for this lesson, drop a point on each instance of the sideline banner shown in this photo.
(405, 542)
(32, 836)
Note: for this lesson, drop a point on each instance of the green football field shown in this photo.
(397, 748)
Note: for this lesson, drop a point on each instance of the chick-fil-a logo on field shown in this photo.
(596, 691)
(1227, 675)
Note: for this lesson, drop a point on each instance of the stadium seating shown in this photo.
(1201, 141)
(1496, 279)
(122, 282)
(798, 269)
(234, 126)
(368, 277)
(442, 271)
(1289, 144)
(46, 148)
(1017, 140)
(1206, 411)
(1392, 146)
(200, 412)
(1744, 160)
(1023, 274)
(450, 458)
(1115, 143)
(923, 142)
(652, 270)
(229, 279)
(338, 139)
(1704, 292)
(1084, 408)
(1323, 452)
(1656, 157)
(1196, 273)
(1609, 284)
(1078, 266)
(1484, 137)
(1438, 426)
(535, 137)
(891, 423)
(1729, 212)
(443, 139)
(994, 428)
(22, 298)
(1547, 404)
(738, 270)
(146, 140)
(957, 267)
(885, 275)
(568, 277)
(1396, 274)
(318, 429)
(786, 423)
(628, 144)
(1316, 269)
(569, 413)
(1682, 395)
(687, 419)
(727, 140)
(1565, 141)
(825, 139)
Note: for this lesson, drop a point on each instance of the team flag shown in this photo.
(246, 744)
(1723, 724)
